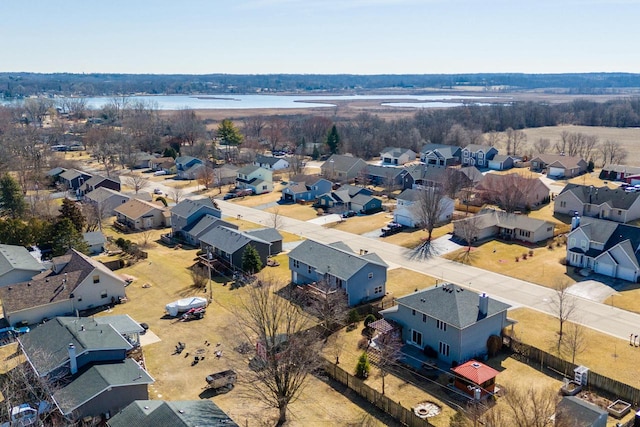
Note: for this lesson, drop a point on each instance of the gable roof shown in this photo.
(98, 379)
(182, 160)
(177, 413)
(307, 180)
(136, 208)
(55, 171)
(580, 412)
(47, 346)
(354, 190)
(336, 258)
(363, 199)
(94, 238)
(71, 174)
(269, 160)
(502, 157)
(14, 257)
(479, 147)
(476, 372)
(424, 172)
(206, 223)
(187, 207)
(409, 194)
(97, 179)
(451, 304)
(101, 194)
(122, 323)
(249, 169)
(343, 163)
(472, 173)
(270, 235)
(397, 151)
(54, 285)
(383, 171)
(568, 162)
(491, 217)
(228, 239)
(444, 150)
(616, 197)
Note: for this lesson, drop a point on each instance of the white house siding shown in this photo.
(36, 314)
(495, 165)
(558, 172)
(627, 273)
(605, 265)
(567, 203)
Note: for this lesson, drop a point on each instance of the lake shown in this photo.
(236, 102)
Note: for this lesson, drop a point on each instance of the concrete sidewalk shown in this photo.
(604, 318)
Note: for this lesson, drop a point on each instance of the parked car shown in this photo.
(158, 173)
(349, 214)
(229, 196)
(157, 191)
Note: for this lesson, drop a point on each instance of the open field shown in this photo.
(543, 268)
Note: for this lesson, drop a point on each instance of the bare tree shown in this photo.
(291, 346)
(94, 214)
(493, 139)
(563, 305)
(515, 139)
(612, 152)
(542, 145)
(186, 126)
(328, 303)
(176, 194)
(296, 164)
(574, 341)
(206, 177)
(253, 127)
(454, 181)
(389, 347)
(467, 229)
(511, 192)
(145, 240)
(199, 276)
(137, 181)
(524, 406)
(276, 218)
(275, 132)
(428, 209)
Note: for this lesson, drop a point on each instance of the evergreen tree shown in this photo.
(316, 154)
(11, 197)
(14, 231)
(65, 236)
(170, 152)
(73, 212)
(363, 367)
(229, 133)
(333, 140)
(251, 262)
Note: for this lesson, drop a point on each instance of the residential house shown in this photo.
(620, 173)
(576, 412)
(187, 167)
(74, 283)
(407, 207)
(95, 241)
(141, 160)
(559, 166)
(343, 196)
(423, 175)
(477, 155)
(174, 413)
(342, 168)
(124, 325)
(192, 233)
(503, 162)
(106, 200)
(189, 211)
(440, 155)
(363, 276)
(394, 156)
(305, 187)
(270, 162)
(229, 245)
(512, 191)
(475, 379)
(225, 174)
(140, 215)
(54, 174)
(89, 360)
(599, 202)
(166, 164)
(365, 204)
(489, 223)
(605, 247)
(389, 177)
(73, 179)
(255, 178)
(17, 265)
(268, 234)
(98, 181)
(454, 321)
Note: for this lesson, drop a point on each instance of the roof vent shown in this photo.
(476, 365)
(181, 411)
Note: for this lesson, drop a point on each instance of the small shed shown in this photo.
(472, 375)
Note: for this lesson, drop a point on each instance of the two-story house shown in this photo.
(605, 247)
(394, 156)
(477, 155)
(228, 244)
(271, 162)
(454, 321)
(189, 211)
(342, 168)
(362, 276)
(389, 177)
(440, 155)
(74, 282)
(599, 202)
(255, 178)
(407, 211)
(305, 187)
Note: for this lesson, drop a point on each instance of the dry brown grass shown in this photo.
(362, 224)
(401, 281)
(258, 199)
(295, 211)
(413, 237)
(606, 355)
(543, 268)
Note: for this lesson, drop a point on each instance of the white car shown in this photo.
(157, 191)
(158, 173)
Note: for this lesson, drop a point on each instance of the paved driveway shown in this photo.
(592, 290)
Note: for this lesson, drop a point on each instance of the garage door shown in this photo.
(606, 269)
(627, 274)
(404, 220)
(556, 172)
(494, 165)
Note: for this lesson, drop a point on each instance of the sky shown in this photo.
(319, 36)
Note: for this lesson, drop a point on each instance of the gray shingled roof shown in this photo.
(617, 198)
(56, 171)
(72, 174)
(611, 234)
(386, 172)
(629, 170)
(188, 206)
(177, 413)
(97, 179)
(96, 380)
(578, 411)
(17, 258)
(446, 151)
(490, 217)
(94, 238)
(229, 240)
(248, 170)
(362, 199)
(502, 157)
(267, 234)
(336, 258)
(270, 160)
(101, 194)
(122, 323)
(206, 223)
(342, 163)
(397, 151)
(478, 147)
(568, 162)
(354, 190)
(46, 346)
(409, 194)
(451, 304)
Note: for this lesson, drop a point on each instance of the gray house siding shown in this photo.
(113, 401)
(474, 338)
(263, 251)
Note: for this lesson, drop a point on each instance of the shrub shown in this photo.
(363, 367)
(494, 343)
(524, 256)
(563, 261)
(530, 252)
(430, 352)
(354, 316)
(363, 343)
(369, 319)
(162, 200)
(517, 259)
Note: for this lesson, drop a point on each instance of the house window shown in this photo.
(96, 279)
(619, 212)
(310, 269)
(377, 290)
(416, 337)
(339, 283)
(444, 349)
(549, 228)
(563, 204)
(103, 294)
(296, 263)
(413, 312)
(264, 187)
(441, 325)
(424, 318)
(370, 275)
(572, 242)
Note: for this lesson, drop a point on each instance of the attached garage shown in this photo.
(405, 220)
(495, 165)
(605, 268)
(627, 273)
(555, 172)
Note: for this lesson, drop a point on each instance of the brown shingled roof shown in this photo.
(136, 208)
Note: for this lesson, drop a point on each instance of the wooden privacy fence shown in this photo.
(394, 409)
(596, 381)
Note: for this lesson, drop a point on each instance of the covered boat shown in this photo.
(185, 304)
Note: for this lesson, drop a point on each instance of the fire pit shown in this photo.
(427, 409)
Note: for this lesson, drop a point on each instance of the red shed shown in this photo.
(474, 374)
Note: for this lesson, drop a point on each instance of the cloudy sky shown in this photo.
(320, 36)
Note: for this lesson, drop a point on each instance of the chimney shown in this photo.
(73, 363)
(575, 221)
(483, 304)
